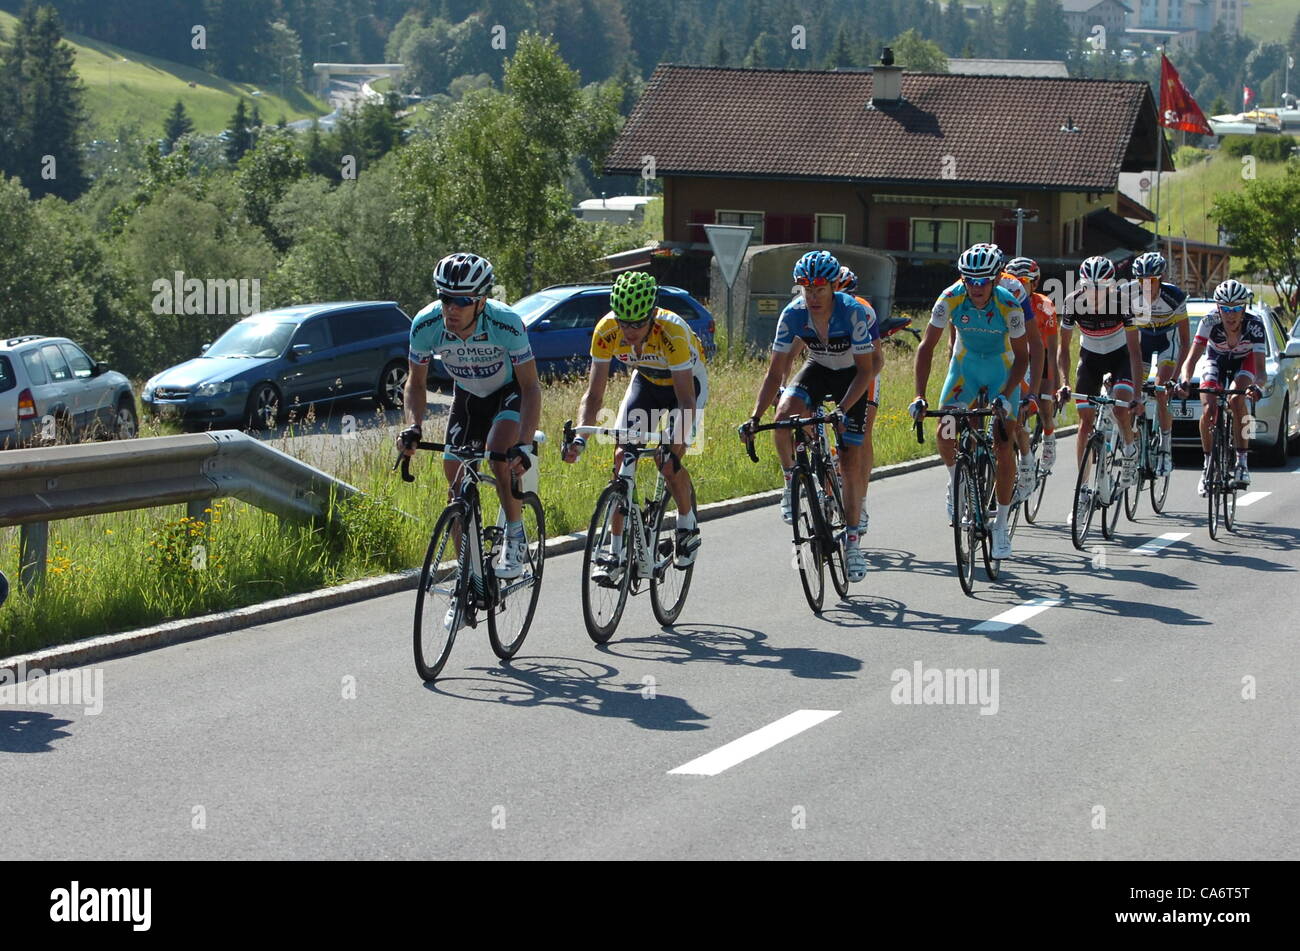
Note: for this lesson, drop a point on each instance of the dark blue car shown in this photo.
(560, 320)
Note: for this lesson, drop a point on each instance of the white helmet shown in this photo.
(1232, 292)
(463, 274)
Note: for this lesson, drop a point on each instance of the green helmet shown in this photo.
(633, 296)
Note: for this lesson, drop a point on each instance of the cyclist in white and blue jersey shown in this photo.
(497, 398)
(1161, 312)
(839, 335)
(990, 352)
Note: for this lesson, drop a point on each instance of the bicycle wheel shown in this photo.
(837, 540)
(516, 598)
(1133, 491)
(808, 539)
(668, 583)
(1229, 468)
(1035, 500)
(1085, 493)
(965, 525)
(603, 598)
(1159, 483)
(1213, 480)
(440, 597)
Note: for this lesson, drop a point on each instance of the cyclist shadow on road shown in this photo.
(727, 644)
(883, 614)
(583, 686)
(30, 731)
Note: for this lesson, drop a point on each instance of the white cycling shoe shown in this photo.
(787, 514)
(510, 563)
(1001, 543)
(855, 563)
(1049, 451)
(1200, 486)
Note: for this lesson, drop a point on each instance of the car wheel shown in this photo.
(264, 410)
(126, 423)
(392, 385)
(1275, 455)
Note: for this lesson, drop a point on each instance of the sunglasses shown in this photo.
(816, 281)
(458, 301)
(1235, 309)
(632, 324)
(977, 281)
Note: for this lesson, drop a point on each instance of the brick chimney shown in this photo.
(886, 82)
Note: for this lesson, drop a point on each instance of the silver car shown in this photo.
(51, 391)
(1277, 415)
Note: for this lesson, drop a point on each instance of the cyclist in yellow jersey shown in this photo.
(670, 385)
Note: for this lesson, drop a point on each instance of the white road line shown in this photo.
(751, 744)
(1250, 498)
(1017, 615)
(1161, 543)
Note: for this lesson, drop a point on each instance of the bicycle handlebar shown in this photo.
(798, 422)
(466, 454)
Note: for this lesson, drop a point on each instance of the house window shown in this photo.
(830, 229)
(978, 232)
(937, 235)
(752, 218)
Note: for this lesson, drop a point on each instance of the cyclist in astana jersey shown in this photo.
(1162, 314)
(1108, 344)
(496, 395)
(1017, 289)
(991, 352)
(1235, 356)
(670, 385)
(839, 336)
(1042, 392)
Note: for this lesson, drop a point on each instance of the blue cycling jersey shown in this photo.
(981, 331)
(852, 329)
(483, 362)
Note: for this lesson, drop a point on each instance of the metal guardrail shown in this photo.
(38, 486)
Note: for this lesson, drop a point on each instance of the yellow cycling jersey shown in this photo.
(671, 345)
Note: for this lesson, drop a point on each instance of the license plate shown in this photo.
(1191, 412)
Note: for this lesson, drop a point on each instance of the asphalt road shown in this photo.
(1123, 724)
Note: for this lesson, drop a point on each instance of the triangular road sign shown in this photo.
(729, 243)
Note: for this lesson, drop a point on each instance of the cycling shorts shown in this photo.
(648, 407)
(1093, 368)
(1162, 345)
(814, 384)
(968, 373)
(472, 417)
(1217, 372)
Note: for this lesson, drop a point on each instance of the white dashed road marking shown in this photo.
(751, 744)
(1160, 544)
(1017, 615)
(1250, 498)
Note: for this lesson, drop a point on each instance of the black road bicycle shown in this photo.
(1148, 436)
(458, 584)
(973, 484)
(816, 504)
(646, 553)
(1221, 483)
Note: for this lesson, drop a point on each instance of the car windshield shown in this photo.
(532, 306)
(253, 338)
(7, 381)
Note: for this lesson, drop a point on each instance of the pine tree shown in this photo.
(41, 109)
(241, 138)
(956, 31)
(1015, 29)
(177, 124)
(842, 52)
(719, 55)
(1049, 34)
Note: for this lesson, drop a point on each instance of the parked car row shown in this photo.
(275, 362)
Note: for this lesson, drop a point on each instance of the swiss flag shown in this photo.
(1178, 110)
(1247, 97)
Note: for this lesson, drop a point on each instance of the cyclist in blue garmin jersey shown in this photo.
(497, 398)
(990, 352)
(839, 335)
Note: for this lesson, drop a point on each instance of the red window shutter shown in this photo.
(801, 228)
(700, 216)
(1004, 236)
(896, 235)
(774, 229)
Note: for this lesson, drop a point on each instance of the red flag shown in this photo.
(1178, 110)
(1247, 97)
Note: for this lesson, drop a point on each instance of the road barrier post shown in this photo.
(33, 549)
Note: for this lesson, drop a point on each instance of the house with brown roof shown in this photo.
(917, 165)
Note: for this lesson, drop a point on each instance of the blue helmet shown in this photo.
(817, 265)
(980, 260)
(1151, 264)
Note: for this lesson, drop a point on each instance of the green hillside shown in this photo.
(123, 86)
(1270, 20)
(1188, 196)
